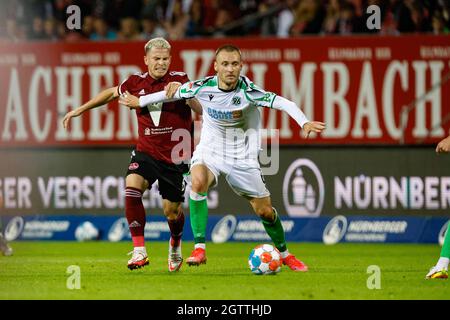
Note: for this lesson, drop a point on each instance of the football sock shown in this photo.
(442, 263)
(135, 213)
(284, 254)
(140, 249)
(200, 245)
(199, 215)
(176, 228)
(276, 232)
(445, 251)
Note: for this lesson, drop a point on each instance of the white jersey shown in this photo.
(230, 138)
(231, 119)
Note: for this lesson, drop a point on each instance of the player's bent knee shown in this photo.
(199, 185)
(136, 181)
(172, 210)
(171, 214)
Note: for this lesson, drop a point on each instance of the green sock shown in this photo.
(276, 232)
(445, 251)
(198, 215)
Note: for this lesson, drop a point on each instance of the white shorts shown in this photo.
(244, 177)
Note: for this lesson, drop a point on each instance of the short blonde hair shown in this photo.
(160, 43)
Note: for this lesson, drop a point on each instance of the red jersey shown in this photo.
(157, 122)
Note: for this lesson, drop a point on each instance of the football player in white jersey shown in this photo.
(229, 144)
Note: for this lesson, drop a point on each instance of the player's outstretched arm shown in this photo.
(134, 102)
(443, 145)
(170, 93)
(296, 113)
(102, 98)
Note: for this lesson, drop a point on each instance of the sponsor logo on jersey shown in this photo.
(224, 115)
(211, 96)
(133, 166)
(303, 189)
(237, 114)
(142, 92)
(147, 131)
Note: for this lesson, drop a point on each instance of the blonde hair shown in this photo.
(160, 43)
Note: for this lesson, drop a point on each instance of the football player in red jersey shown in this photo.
(152, 158)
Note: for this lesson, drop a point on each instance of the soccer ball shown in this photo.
(265, 259)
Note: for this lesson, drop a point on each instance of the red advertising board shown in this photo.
(369, 90)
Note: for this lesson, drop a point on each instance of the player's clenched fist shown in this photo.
(443, 146)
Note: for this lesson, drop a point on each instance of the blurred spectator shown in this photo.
(438, 24)
(21, 20)
(330, 23)
(410, 18)
(151, 28)
(211, 8)
(195, 26)
(348, 22)
(309, 17)
(37, 29)
(176, 25)
(60, 28)
(153, 9)
(50, 32)
(129, 8)
(128, 29)
(223, 18)
(185, 7)
(88, 26)
(227, 13)
(74, 36)
(13, 31)
(286, 18)
(101, 31)
(269, 23)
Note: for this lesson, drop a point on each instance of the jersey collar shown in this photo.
(238, 83)
(153, 80)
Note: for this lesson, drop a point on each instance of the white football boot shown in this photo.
(138, 259)
(175, 259)
(4, 246)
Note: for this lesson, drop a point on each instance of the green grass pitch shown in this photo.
(38, 270)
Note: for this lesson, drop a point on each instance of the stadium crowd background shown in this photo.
(23, 20)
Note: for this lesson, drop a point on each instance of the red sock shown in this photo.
(135, 213)
(176, 228)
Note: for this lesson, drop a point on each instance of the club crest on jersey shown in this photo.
(236, 101)
(147, 131)
(133, 166)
